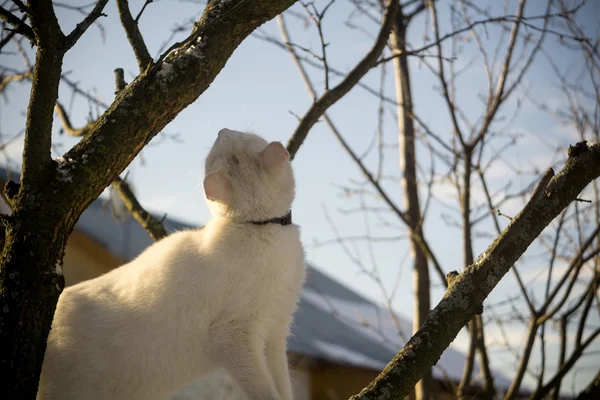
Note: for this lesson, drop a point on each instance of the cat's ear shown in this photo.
(274, 155)
(217, 187)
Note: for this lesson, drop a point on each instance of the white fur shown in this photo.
(221, 296)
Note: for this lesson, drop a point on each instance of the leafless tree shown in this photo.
(53, 193)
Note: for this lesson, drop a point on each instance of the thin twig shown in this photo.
(330, 97)
(134, 35)
(81, 27)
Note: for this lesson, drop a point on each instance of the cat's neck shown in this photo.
(228, 220)
(283, 221)
(256, 216)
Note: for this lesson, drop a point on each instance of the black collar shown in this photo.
(283, 221)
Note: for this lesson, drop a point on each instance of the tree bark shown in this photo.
(408, 165)
(30, 280)
(469, 289)
(53, 196)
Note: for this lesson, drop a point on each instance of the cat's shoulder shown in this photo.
(185, 234)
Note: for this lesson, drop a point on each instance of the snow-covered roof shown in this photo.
(332, 323)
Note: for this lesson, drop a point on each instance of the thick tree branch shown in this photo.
(44, 91)
(45, 25)
(330, 97)
(470, 288)
(134, 35)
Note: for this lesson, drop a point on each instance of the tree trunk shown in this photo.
(475, 327)
(408, 165)
(35, 236)
(31, 282)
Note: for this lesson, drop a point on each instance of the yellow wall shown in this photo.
(338, 382)
(85, 259)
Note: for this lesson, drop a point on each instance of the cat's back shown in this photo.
(107, 331)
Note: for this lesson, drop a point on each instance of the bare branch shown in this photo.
(66, 122)
(496, 100)
(120, 83)
(330, 97)
(153, 226)
(498, 230)
(19, 24)
(5, 80)
(133, 34)
(44, 92)
(565, 368)
(137, 18)
(408, 165)
(466, 294)
(81, 27)
(442, 75)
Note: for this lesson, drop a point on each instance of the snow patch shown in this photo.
(166, 71)
(178, 59)
(195, 51)
(64, 169)
(373, 321)
(378, 323)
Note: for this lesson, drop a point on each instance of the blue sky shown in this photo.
(259, 90)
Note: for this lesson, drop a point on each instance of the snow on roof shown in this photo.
(332, 323)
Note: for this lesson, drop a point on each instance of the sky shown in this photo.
(260, 91)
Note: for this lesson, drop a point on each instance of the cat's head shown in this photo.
(247, 178)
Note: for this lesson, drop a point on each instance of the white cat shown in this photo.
(221, 296)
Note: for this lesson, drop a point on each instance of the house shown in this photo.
(340, 340)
